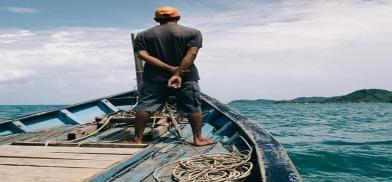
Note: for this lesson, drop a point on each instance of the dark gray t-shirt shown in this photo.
(169, 43)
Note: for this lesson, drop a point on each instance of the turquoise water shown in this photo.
(327, 142)
(331, 142)
(12, 111)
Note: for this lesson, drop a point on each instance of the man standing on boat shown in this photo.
(169, 50)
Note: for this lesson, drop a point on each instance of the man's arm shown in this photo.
(175, 81)
(156, 62)
(187, 61)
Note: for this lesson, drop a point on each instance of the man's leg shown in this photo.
(196, 120)
(141, 119)
(153, 96)
(189, 101)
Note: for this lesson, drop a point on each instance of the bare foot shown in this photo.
(132, 141)
(203, 142)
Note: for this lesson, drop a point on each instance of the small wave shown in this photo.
(340, 142)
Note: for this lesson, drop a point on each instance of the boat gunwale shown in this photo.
(37, 114)
(223, 109)
(230, 114)
(206, 98)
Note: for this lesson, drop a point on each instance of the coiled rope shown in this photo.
(232, 166)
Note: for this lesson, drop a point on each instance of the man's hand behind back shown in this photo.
(174, 82)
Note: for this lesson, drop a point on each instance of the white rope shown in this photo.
(209, 167)
(93, 133)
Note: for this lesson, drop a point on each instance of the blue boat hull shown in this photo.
(270, 160)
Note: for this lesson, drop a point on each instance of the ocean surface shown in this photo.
(326, 142)
(12, 111)
(331, 142)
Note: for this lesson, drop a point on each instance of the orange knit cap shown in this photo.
(166, 12)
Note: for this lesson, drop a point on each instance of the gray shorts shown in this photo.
(155, 94)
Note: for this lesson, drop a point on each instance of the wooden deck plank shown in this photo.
(39, 135)
(60, 164)
(49, 153)
(87, 150)
(82, 144)
(64, 156)
(20, 137)
(168, 153)
(34, 162)
(124, 134)
(102, 135)
(50, 133)
(44, 174)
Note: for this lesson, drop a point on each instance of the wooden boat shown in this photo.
(27, 159)
(84, 142)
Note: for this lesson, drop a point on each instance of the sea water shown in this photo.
(326, 142)
(12, 111)
(331, 142)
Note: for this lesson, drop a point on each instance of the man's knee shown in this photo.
(142, 115)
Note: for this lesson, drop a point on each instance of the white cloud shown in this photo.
(10, 75)
(295, 48)
(251, 50)
(13, 35)
(64, 65)
(20, 10)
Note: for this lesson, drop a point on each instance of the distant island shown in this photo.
(359, 96)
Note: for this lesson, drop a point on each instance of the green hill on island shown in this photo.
(252, 101)
(360, 96)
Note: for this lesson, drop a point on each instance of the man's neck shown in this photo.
(169, 22)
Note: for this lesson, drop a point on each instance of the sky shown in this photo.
(63, 52)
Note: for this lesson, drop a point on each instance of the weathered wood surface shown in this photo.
(84, 144)
(156, 132)
(170, 150)
(44, 174)
(138, 66)
(270, 159)
(68, 164)
(52, 134)
(76, 150)
(61, 163)
(82, 131)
